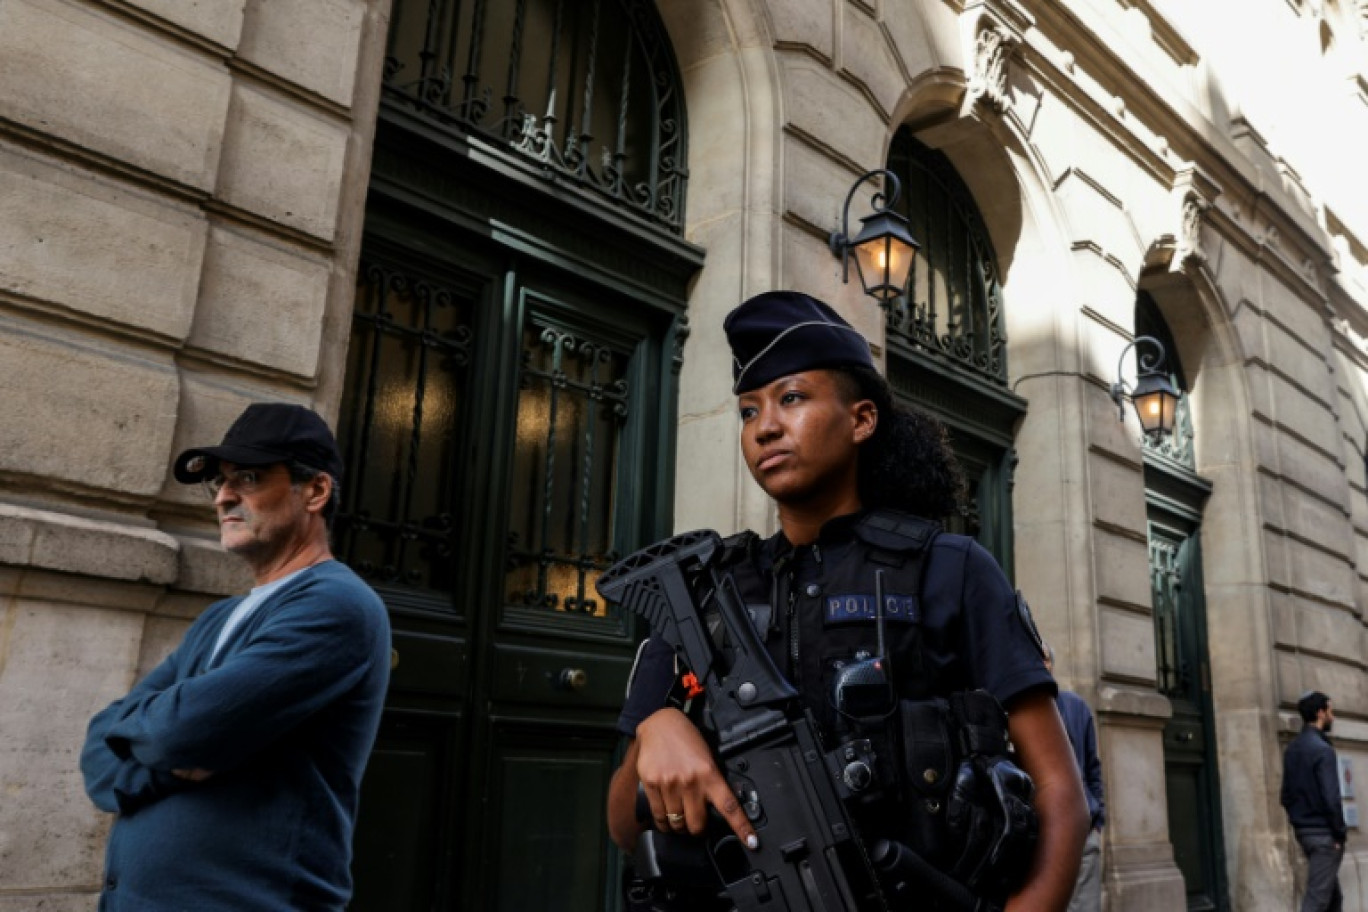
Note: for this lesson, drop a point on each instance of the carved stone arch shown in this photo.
(1239, 607)
(987, 167)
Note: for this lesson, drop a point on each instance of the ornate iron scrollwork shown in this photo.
(1166, 587)
(1178, 446)
(574, 399)
(599, 105)
(410, 349)
(952, 309)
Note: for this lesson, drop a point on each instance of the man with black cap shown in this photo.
(234, 767)
(860, 485)
(1311, 797)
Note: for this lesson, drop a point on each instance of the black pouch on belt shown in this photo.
(929, 760)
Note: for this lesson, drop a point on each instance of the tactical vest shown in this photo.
(817, 622)
(815, 626)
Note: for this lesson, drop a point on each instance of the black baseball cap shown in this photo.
(266, 433)
(778, 333)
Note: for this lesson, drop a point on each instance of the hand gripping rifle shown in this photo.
(810, 858)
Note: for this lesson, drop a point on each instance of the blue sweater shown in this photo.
(1078, 722)
(284, 716)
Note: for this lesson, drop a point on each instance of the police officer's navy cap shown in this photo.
(778, 333)
(266, 433)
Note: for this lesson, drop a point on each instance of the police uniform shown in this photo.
(953, 624)
(964, 630)
(952, 621)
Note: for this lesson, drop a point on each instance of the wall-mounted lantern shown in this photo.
(1154, 398)
(884, 248)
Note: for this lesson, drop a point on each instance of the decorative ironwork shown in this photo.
(953, 305)
(968, 520)
(588, 89)
(682, 331)
(572, 405)
(1177, 446)
(1175, 678)
(409, 352)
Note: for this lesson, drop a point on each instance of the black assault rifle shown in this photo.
(810, 858)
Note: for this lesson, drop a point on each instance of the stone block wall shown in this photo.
(181, 192)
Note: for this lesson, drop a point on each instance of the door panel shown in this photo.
(399, 848)
(551, 790)
(1190, 768)
(426, 663)
(556, 658)
(553, 677)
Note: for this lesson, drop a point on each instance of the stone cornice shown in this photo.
(86, 547)
(1128, 706)
(1165, 34)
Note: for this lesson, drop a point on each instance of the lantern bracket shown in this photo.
(839, 241)
(1150, 378)
(887, 274)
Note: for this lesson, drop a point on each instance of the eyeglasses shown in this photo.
(240, 481)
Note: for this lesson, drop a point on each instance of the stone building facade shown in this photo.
(183, 207)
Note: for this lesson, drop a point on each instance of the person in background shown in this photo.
(1311, 796)
(234, 768)
(1078, 722)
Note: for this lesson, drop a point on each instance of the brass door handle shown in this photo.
(394, 659)
(572, 679)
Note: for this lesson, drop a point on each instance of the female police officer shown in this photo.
(848, 470)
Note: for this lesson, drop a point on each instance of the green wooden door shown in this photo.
(1190, 769)
(508, 422)
(505, 429)
(1175, 496)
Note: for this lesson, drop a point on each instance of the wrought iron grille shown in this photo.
(1178, 446)
(1166, 586)
(409, 352)
(588, 89)
(953, 305)
(572, 405)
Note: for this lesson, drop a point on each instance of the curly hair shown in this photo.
(907, 463)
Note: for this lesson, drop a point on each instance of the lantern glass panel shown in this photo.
(884, 263)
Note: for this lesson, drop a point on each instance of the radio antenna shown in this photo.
(879, 609)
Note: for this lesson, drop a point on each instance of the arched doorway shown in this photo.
(1175, 497)
(508, 425)
(947, 341)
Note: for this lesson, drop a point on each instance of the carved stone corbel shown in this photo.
(993, 47)
(1194, 194)
(1190, 251)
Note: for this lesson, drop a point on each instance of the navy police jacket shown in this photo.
(953, 620)
(1310, 787)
